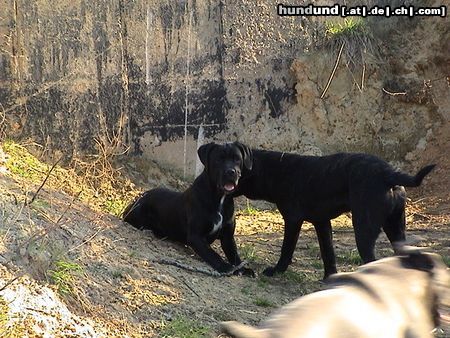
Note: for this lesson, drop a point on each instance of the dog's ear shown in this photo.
(204, 151)
(413, 257)
(419, 261)
(246, 155)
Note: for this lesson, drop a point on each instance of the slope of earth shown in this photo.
(67, 268)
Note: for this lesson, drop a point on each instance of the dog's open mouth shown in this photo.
(229, 187)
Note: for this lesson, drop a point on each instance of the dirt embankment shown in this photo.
(68, 269)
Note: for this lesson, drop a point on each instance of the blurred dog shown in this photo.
(396, 297)
(202, 213)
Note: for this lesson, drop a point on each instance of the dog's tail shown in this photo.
(239, 330)
(399, 178)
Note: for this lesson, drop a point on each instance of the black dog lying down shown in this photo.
(393, 297)
(201, 214)
(318, 189)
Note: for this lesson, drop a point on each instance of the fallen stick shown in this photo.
(43, 182)
(205, 271)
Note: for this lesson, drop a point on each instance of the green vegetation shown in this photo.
(183, 327)
(293, 276)
(446, 260)
(349, 26)
(63, 276)
(317, 264)
(349, 257)
(351, 35)
(248, 253)
(117, 274)
(263, 302)
(22, 163)
(263, 281)
(98, 184)
(250, 210)
(115, 206)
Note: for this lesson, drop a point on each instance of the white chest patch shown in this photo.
(218, 224)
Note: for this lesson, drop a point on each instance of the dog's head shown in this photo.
(224, 163)
(439, 279)
(429, 285)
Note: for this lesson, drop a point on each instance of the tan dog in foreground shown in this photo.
(389, 298)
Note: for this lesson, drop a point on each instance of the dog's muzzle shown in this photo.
(230, 180)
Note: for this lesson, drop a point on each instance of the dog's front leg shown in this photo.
(204, 250)
(230, 249)
(291, 232)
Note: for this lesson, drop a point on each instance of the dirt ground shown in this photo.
(122, 288)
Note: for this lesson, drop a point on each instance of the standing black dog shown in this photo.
(320, 188)
(204, 212)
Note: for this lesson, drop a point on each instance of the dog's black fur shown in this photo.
(202, 213)
(320, 188)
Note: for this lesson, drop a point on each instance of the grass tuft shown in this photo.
(183, 327)
(349, 257)
(349, 26)
(248, 253)
(294, 276)
(63, 276)
(262, 302)
(356, 36)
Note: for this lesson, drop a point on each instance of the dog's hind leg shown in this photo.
(325, 237)
(292, 228)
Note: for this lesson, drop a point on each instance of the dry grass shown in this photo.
(97, 183)
(355, 35)
(121, 288)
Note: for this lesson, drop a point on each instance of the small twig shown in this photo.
(393, 94)
(10, 282)
(43, 182)
(189, 287)
(334, 70)
(36, 236)
(354, 80)
(362, 76)
(197, 269)
(39, 311)
(86, 241)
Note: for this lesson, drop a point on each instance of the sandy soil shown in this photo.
(123, 289)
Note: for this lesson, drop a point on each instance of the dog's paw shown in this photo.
(224, 268)
(270, 271)
(245, 272)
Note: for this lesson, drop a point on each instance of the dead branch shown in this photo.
(334, 71)
(204, 271)
(362, 76)
(43, 182)
(393, 94)
(37, 236)
(189, 287)
(86, 240)
(10, 282)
